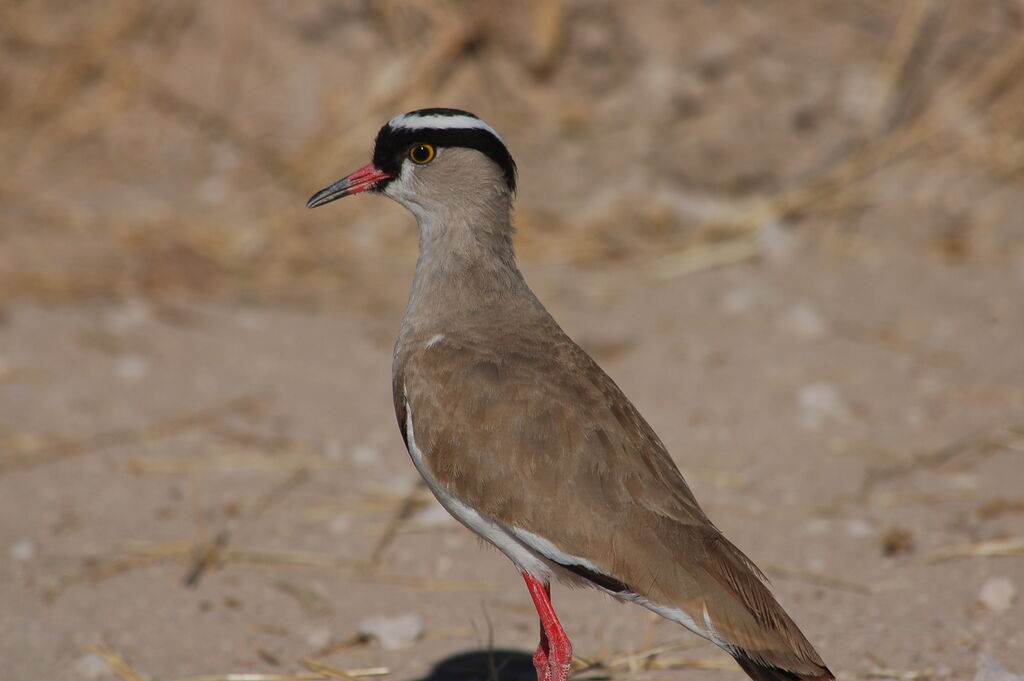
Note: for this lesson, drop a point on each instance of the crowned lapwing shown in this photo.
(521, 435)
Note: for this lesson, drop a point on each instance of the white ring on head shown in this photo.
(441, 122)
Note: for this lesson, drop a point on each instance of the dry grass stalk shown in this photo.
(915, 32)
(895, 499)
(717, 476)
(39, 113)
(883, 673)
(819, 579)
(380, 502)
(721, 663)
(340, 674)
(983, 549)
(899, 341)
(641, 657)
(979, 442)
(243, 676)
(297, 676)
(29, 450)
(411, 502)
(639, 661)
(342, 644)
(117, 664)
(964, 93)
(310, 601)
(959, 97)
(429, 583)
(185, 549)
(453, 32)
(208, 554)
(227, 462)
(145, 552)
(702, 257)
(547, 35)
(94, 570)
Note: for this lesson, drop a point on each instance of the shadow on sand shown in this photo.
(484, 665)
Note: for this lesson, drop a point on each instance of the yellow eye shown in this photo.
(421, 154)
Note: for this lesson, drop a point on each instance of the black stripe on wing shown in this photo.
(601, 580)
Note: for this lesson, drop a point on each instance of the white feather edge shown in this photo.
(531, 553)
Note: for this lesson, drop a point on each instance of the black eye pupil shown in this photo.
(421, 153)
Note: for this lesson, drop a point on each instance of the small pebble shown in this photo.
(859, 528)
(319, 638)
(778, 243)
(738, 300)
(393, 633)
(365, 454)
(339, 524)
(997, 594)
(90, 667)
(897, 541)
(22, 550)
(443, 565)
(399, 484)
(132, 368)
(965, 481)
(817, 526)
(819, 403)
(989, 669)
(803, 322)
(130, 314)
(332, 449)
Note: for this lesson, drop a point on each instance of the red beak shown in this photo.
(359, 181)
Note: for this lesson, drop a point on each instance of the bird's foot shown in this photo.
(559, 660)
(541, 665)
(540, 662)
(553, 663)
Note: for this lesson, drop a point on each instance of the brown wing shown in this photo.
(548, 420)
(532, 433)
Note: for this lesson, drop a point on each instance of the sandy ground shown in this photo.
(845, 422)
(791, 231)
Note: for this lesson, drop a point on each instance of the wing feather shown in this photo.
(531, 432)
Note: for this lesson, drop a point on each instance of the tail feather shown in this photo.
(761, 671)
(745, 619)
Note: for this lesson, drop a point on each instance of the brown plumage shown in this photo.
(505, 415)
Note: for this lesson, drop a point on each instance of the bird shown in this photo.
(524, 439)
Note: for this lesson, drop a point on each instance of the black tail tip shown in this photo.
(760, 671)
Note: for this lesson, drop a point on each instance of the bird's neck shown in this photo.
(466, 269)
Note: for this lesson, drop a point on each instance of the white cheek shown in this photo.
(398, 188)
(403, 190)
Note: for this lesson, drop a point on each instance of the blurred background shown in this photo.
(793, 232)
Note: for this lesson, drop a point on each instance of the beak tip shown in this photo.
(320, 198)
(361, 180)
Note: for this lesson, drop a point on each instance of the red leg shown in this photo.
(540, 658)
(554, 655)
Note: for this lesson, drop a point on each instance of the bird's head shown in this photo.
(428, 160)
